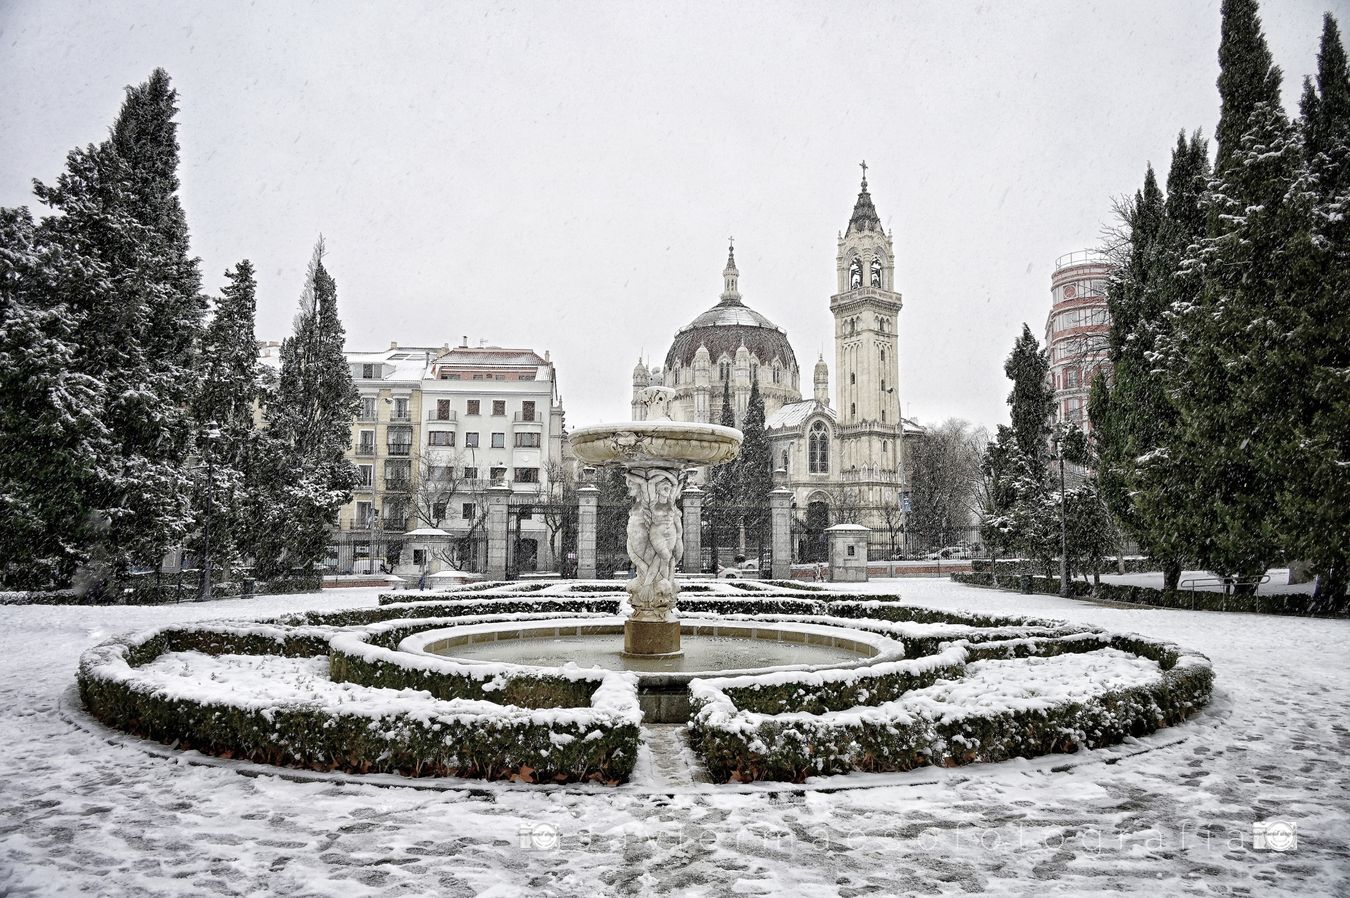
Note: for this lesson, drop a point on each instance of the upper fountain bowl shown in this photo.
(647, 442)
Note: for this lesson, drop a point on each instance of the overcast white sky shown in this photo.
(564, 176)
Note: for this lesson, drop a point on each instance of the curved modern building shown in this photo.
(1076, 331)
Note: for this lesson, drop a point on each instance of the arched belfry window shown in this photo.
(724, 370)
(855, 274)
(876, 272)
(784, 464)
(818, 449)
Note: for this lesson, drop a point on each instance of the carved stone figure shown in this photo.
(655, 541)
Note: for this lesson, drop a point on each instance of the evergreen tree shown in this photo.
(1236, 358)
(754, 469)
(1317, 497)
(721, 483)
(50, 432)
(305, 477)
(228, 389)
(119, 245)
(1031, 399)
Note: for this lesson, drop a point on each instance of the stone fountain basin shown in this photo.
(645, 442)
(712, 647)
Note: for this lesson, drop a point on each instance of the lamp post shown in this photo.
(375, 538)
(1056, 441)
(204, 590)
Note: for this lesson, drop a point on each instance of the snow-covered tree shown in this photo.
(121, 267)
(304, 477)
(51, 434)
(944, 477)
(1234, 358)
(1032, 400)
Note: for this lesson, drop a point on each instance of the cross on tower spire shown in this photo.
(864, 168)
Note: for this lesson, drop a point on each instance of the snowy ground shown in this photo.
(79, 814)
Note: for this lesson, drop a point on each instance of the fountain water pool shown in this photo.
(712, 647)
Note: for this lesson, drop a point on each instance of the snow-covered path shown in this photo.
(79, 815)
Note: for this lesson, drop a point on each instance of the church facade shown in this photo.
(843, 452)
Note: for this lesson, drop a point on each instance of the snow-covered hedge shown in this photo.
(741, 744)
(597, 740)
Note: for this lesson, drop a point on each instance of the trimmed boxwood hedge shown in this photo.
(742, 747)
(567, 745)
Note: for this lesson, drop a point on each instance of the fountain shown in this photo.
(654, 454)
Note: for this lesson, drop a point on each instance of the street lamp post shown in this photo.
(1057, 443)
(375, 538)
(204, 589)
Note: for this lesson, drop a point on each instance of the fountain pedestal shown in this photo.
(654, 454)
(651, 637)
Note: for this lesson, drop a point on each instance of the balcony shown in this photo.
(397, 416)
(400, 448)
(448, 416)
(365, 450)
(397, 484)
(528, 418)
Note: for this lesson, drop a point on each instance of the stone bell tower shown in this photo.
(867, 368)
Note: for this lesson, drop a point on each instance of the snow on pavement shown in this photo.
(82, 815)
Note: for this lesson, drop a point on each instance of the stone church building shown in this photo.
(843, 452)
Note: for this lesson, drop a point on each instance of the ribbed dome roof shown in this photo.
(723, 329)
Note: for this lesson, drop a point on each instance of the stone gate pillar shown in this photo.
(780, 517)
(588, 500)
(498, 495)
(693, 529)
(848, 553)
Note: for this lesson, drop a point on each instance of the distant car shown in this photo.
(949, 553)
(740, 571)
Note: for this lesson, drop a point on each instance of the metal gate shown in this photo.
(737, 536)
(540, 536)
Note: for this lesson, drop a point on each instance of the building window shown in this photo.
(852, 378)
(499, 406)
(777, 374)
(497, 474)
(470, 473)
(876, 272)
(754, 372)
(368, 372)
(527, 475)
(367, 408)
(499, 441)
(883, 356)
(1071, 378)
(400, 410)
(883, 416)
(367, 444)
(367, 473)
(854, 274)
(363, 514)
(527, 411)
(527, 441)
(440, 438)
(784, 464)
(419, 557)
(818, 449)
(473, 407)
(471, 440)
(853, 410)
(438, 511)
(724, 370)
(466, 511)
(442, 409)
(400, 440)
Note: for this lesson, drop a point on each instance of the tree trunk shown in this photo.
(1171, 575)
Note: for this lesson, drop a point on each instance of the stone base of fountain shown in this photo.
(651, 637)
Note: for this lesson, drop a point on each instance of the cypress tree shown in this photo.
(50, 432)
(132, 292)
(1236, 356)
(754, 467)
(721, 481)
(1031, 400)
(228, 389)
(309, 430)
(1317, 497)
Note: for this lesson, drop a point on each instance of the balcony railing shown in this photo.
(400, 448)
(365, 449)
(433, 415)
(400, 416)
(528, 418)
(396, 484)
(1081, 257)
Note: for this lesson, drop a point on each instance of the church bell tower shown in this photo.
(867, 367)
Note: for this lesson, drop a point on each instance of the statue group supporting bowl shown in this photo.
(654, 455)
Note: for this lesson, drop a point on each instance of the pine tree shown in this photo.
(1031, 399)
(121, 266)
(1317, 497)
(223, 407)
(304, 477)
(1236, 358)
(50, 432)
(754, 468)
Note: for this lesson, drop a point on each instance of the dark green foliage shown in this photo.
(301, 475)
(1247, 77)
(119, 273)
(1031, 401)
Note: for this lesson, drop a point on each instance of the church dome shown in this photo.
(728, 325)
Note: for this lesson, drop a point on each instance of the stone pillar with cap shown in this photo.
(780, 519)
(848, 553)
(692, 500)
(498, 495)
(588, 501)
